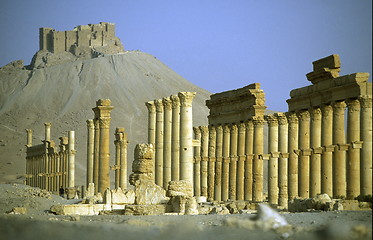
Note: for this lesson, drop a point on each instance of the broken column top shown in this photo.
(103, 102)
(325, 68)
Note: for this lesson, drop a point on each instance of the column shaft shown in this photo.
(258, 159)
(273, 159)
(159, 143)
(96, 153)
(304, 155)
(327, 154)
(197, 163)
(249, 145)
(353, 153)
(151, 124)
(218, 163)
(167, 141)
(175, 142)
(241, 161)
(71, 149)
(283, 161)
(293, 158)
(204, 159)
(339, 154)
(90, 150)
(123, 160)
(211, 163)
(117, 163)
(233, 162)
(225, 163)
(315, 143)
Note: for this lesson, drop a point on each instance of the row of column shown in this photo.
(170, 131)
(230, 161)
(48, 168)
(309, 152)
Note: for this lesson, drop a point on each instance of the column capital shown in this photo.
(366, 101)
(175, 101)
(292, 117)
(29, 131)
(339, 105)
(234, 128)
(158, 105)
(204, 130)
(281, 118)
(90, 123)
(105, 122)
(241, 127)
(186, 98)
(219, 128)
(353, 105)
(151, 106)
(303, 115)
(103, 108)
(226, 128)
(212, 129)
(315, 113)
(326, 109)
(249, 124)
(47, 124)
(272, 120)
(119, 133)
(167, 104)
(258, 121)
(96, 122)
(197, 131)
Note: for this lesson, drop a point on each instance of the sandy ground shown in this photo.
(39, 223)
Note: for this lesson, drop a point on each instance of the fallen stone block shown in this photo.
(147, 192)
(79, 209)
(18, 210)
(148, 209)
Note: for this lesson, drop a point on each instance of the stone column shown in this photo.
(339, 154)
(90, 150)
(249, 145)
(123, 143)
(159, 143)
(102, 112)
(366, 151)
(241, 161)
(117, 158)
(197, 163)
(72, 152)
(273, 159)
(96, 153)
(151, 124)
(46, 179)
(47, 131)
(283, 160)
(328, 148)
(293, 158)
(29, 137)
(175, 142)
(353, 153)
(167, 141)
(233, 162)
(225, 165)
(304, 155)
(315, 143)
(186, 136)
(258, 159)
(211, 163)
(218, 163)
(204, 159)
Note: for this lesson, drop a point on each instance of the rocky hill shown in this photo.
(65, 94)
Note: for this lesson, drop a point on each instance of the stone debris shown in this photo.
(180, 188)
(147, 192)
(18, 210)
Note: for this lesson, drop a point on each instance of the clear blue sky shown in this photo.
(217, 45)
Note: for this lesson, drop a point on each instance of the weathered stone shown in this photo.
(145, 209)
(18, 210)
(180, 188)
(147, 192)
(118, 196)
(178, 204)
(144, 151)
(71, 192)
(90, 190)
(191, 206)
(78, 209)
(142, 166)
(139, 176)
(107, 196)
(220, 210)
(319, 202)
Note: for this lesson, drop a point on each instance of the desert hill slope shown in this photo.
(65, 94)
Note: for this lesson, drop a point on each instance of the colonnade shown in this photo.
(309, 152)
(48, 167)
(170, 131)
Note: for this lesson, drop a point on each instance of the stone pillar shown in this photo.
(197, 163)
(159, 143)
(218, 163)
(225, 165)
(72, 152)
(211, 163)
(233, 162)
(366, 151)
(90, 150)
(117, 158)
(102, 112)
(339, 154)
(283, 160)
(258, 159)
(29, 137)
(123, 143)
(96, 153)
(293, 158)
(47, 131)
(328, 148)
(204, 159)
(353, 153)
(304, 155)
(167, 141)
(241, 161)
(273, 159)
(315, 143)
(175, 142)
(186, 136)
(249, 145)
(151, 124)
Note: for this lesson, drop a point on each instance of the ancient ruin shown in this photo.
(311, 153)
